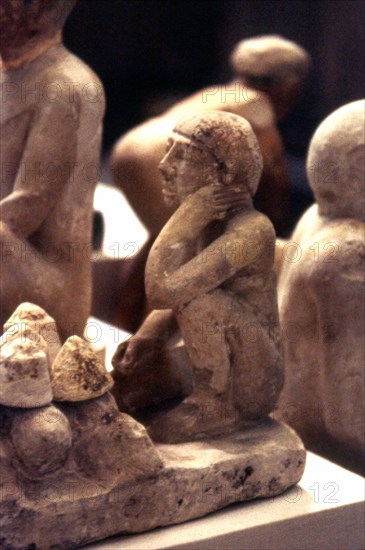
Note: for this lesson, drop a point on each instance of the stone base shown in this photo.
(197, 478)
(325, 511)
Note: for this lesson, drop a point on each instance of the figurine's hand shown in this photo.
(221, 198)
(136, 368)
(136, 352)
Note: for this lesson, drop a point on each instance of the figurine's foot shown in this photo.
(195, 418)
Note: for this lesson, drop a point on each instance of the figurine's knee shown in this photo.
(5, 233)
(10, 246)
(259, 375)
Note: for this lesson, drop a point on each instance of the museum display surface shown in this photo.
(191, 438)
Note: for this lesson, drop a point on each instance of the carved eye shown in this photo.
(180, 151)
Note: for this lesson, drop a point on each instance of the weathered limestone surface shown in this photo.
(77, 373)
(43, 326)
(322, 296)
(196, 478)
(22, 332)
(42, 439)
(109, 445)
(24, 374)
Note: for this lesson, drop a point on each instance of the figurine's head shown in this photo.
(210, 147)
(272, 65)
(26, 23)
(336, 163)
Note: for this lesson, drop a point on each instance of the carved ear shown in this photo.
(227, 178)
(228, 172)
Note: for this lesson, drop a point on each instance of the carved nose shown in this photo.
(166, 169)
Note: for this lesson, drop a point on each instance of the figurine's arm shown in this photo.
(46, 165)
(154, 332)
(140, 372)
(174, 276)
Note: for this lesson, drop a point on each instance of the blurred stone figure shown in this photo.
(269, 73)
(51, 119)
(321, 296)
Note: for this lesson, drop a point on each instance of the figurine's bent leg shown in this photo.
(238, 370)
(27, 276)
(258, 368)
(211, 406)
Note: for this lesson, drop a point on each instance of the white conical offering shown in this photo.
(77, 374)
(33, 316)
(24, 373)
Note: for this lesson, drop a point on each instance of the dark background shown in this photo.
(147, 50)
(151, 52)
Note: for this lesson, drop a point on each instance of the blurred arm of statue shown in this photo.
(321, 296)
(269, 72)
(211, 267)
(51, 121)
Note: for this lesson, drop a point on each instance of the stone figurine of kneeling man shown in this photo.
(210, 272)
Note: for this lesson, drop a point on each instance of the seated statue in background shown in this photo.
(269, 74)
(212, 265)
(321, 296)
(50, 134)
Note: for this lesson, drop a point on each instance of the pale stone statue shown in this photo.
(52, 107)
(76, 469)
(212, 265)
(321, 296)
(269, 73)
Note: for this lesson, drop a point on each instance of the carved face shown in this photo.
(185, 169)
